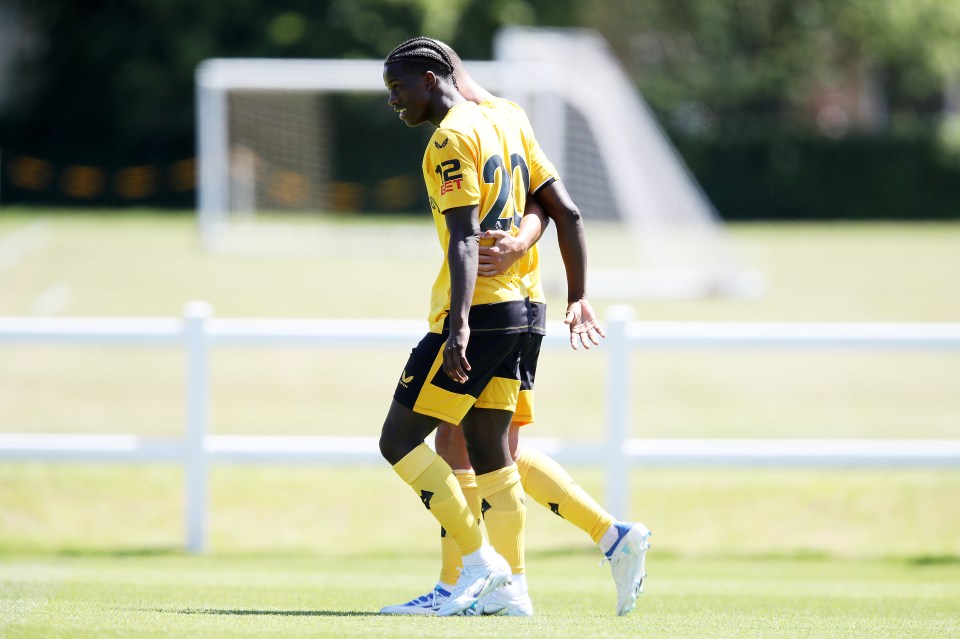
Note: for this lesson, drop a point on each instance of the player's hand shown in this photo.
(455, 363)
(496, 259)
(583, 324)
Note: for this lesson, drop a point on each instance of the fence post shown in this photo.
(618, 409)
(195, 316)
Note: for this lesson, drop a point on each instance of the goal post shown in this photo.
(619, 165)
(284, 136)
(227, 163)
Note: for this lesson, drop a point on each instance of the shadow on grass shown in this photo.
(279, 613)
(586, 550)
(93, 553)
(121, 553)
(934, 560)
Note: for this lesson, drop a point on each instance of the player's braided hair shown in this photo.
(424, 53)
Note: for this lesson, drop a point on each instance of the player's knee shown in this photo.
(486, 459)
(449, 441)
(392, 447)
(387, 448)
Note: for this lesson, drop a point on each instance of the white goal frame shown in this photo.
(215, 77)
(674, 227)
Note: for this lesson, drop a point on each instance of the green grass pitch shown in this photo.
(323, 596)
(93, 550)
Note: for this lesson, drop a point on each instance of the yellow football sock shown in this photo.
(433, 480)
(450, 557)
(548, 483)
(504, 513)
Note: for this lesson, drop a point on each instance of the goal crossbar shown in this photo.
(267, 141)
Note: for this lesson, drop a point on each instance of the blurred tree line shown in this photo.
(804, 108)
(782, 108)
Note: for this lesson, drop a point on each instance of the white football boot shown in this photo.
(427, 604)
(627, 559)
(506, 601)
(474, 583)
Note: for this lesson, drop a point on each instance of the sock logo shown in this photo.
(555, 509)
(443, 532)
(484, 507)
(425, 497)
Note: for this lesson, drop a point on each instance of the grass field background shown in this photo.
(93, 550)
(330, 597)
(151, 265)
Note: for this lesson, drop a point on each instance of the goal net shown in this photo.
(282, 142)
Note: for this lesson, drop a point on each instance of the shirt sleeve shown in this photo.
(542, 170)
(450, 168)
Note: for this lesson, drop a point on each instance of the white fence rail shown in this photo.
(197, 332)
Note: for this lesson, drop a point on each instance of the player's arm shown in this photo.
(551, 202)
(464, 227)
(509, 248)
(559, 207)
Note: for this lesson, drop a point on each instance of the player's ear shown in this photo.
(429, 80)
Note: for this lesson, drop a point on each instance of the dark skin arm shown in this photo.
(497, 259)
(462, 259)
(580, 316)
(560, 208)
(573, 248)
(552, 203)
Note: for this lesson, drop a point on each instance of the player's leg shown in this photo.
(486, 431)
(542, 477)
(498, 486)
(422, 399)
(451, 446)
(431, 478)
(503, 506)
(623, 543)
(552, 487)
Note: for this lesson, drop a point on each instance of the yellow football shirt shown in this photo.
(540, 173)
(470, 161)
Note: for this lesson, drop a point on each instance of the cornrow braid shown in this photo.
(425, 53)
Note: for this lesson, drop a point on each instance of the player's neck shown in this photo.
(445, 102)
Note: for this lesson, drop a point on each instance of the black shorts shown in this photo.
(494, 376)
(529, 355)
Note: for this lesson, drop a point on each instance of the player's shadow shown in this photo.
(282, 613)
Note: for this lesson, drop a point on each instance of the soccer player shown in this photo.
(466, 369)
(624, 544)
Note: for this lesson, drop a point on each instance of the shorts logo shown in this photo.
(404, 379)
